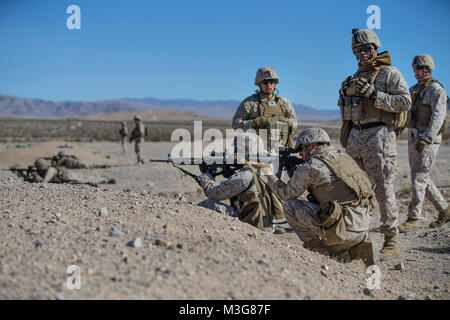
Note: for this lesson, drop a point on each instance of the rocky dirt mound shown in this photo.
(180, 250)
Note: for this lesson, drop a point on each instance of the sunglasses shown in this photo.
(266, 82)
(366, 47)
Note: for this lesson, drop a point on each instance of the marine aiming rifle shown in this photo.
(226, 164)
(22, 172)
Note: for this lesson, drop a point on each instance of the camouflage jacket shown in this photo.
(436, 97)
(241, 181)
(138, 133)
(249, 110)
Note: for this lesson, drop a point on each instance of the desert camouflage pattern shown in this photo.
(300, 217)
(218, 207)
(392, 91)
(436, 97)
(300, 213)
(421, 164)
(266, 73)
(249, 110)
(375, 151)
(53, 175)
(423, 60)
(240, 182)
(71, 163)
(137, 135)
(123, 138)
(365, 36)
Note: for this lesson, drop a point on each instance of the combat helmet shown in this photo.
(137, 117)
(40, 164)
(62, 154)
(313, 135)
(361, 37)
(266, 73)
(423, 60)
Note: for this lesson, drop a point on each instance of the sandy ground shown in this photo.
(187, 252)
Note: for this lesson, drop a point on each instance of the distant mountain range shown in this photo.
(36, 108)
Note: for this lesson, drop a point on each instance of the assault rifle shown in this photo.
(227, 164)
(23, 172)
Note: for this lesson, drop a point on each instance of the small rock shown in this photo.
(179, 246)
(118, 278)
(399, 266)
(279, 230)
(368, 292)
(115, 232)
(99, 228)
(103, 212)
(428, 297)
(161, 242)
(37, 244)
(436, 287)
(325, 267)
(135, 243)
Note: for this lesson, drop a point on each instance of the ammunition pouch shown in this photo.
(330, 217)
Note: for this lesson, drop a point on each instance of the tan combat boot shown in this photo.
(444, 216)
(366, 252)
(390, 248)
(409, 225)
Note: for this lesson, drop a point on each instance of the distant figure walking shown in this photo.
(123, 136)
(138, 137)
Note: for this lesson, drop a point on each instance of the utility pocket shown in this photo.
(330, 218)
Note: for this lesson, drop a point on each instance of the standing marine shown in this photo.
(123, 131)
(335, 220)
(137, 135)
(374, 103)
(267, 110)
(427, 120)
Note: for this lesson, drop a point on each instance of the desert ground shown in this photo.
(145, 238)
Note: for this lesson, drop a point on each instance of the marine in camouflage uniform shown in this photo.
(339, 189)
(123, 131)
(137, 135)
(50, 174)
(426, 120)
(266, 110)
(374, 104)
(69, 161)
(250, 198)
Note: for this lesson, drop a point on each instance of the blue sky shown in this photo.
(205, 50)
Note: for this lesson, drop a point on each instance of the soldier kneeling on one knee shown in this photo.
(337, 220)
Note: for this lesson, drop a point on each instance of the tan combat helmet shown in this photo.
(264, 74)
(62, 154)
(313, 135)
(361, 37)
(423, 60)
(40, 164)
(137, 117)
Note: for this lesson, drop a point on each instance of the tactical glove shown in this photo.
(421, 145)
(261, 122)
(364, 87)
(345, 84)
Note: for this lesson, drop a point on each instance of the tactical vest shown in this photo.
(277, 115)
(422, 112)
(353, 186)
(123, 132)
(358, 108)
(261, 206)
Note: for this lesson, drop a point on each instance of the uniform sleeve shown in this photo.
(50, 174)
(240, 117)
(227, 189)
(291, 115)
(295, 187)
(394, 97)
(438, 105)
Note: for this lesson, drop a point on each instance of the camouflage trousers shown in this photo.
(422, 185)
(300, 217)
(218, 207)
(375, 151)
(123, 143)
(137, 149)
